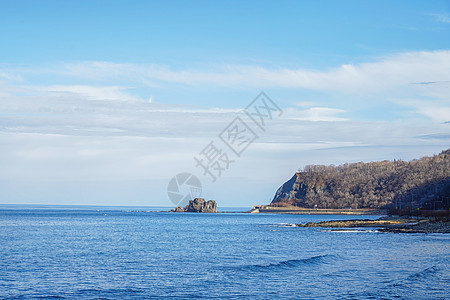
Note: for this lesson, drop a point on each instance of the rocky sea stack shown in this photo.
(198, 205)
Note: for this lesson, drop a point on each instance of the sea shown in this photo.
(93, 252)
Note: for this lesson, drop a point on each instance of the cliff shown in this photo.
(422, 183)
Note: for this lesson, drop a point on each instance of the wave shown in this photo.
(51, 297)
(416, 285)
(424, 273)
(285, 225)
(290, 263)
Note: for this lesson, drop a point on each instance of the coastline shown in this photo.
(306, 211)
(391, 224)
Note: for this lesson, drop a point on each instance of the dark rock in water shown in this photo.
(195, 205)
(178, 209)
(210, 207)
(200, 205)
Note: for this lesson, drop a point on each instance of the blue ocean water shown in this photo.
(122, 253)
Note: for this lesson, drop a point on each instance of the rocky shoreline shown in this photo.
(393, 225)
(294, 210)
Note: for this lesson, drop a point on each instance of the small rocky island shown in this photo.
(198, 205)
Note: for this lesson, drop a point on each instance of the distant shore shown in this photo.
(306, 211)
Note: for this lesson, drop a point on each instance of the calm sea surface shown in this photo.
(92, 253)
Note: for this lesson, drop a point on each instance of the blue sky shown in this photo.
(189, 33)
(102, 102)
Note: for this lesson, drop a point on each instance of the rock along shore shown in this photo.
(389, 225)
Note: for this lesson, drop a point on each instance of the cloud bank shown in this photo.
(87, 122)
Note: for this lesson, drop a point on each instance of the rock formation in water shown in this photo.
(198, 205)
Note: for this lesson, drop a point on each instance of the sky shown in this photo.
(104, 102)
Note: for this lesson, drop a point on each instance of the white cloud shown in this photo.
(388, 72)
(444, 18)
(436, 110)
(72, 143)
(92, 92)
(315, 114)
(441, 114)
(96, 111)
(101, 130)
(10, 77)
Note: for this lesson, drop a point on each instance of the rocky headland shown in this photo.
(420, 184)
(198, 205)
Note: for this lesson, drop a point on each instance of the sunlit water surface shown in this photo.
(92, 253)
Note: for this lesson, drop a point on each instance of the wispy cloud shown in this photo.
(423, 76)
(92, 92)
(81, 138)
(440, 113)
(444, 18)
(10, 77)
(381, 74)
(387, 72)
(316, 114)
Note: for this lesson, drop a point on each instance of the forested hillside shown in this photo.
(420, 183)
